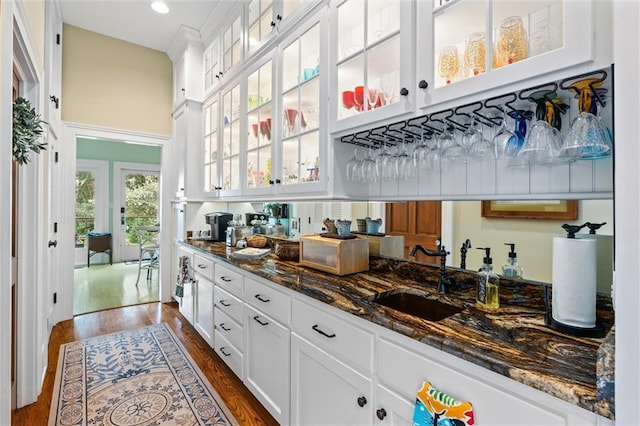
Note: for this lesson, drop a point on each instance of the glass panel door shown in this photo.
(139, 195)
(260, 19)
(232, 44)
(211, 169)
(230, 168)
(259, 122)
(300, 152)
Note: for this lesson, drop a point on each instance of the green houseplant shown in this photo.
(27, 129)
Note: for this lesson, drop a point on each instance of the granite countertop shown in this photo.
(513, 341)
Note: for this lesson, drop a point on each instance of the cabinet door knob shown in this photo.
(404, 91)
(278, 17)
(362, 401)
(381, 413)
(271, 182)
(423, 84)
(273, 24)
(53, 243)
(278, 181)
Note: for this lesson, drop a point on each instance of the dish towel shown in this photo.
(183, 275)
(435, 408)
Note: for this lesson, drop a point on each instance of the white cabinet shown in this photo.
(392, 409)
(187, 301)
(374, 56)
(229, 332)
(267, 362)
(203, 312)
(498, 42)
(325, 390)
(496, 400)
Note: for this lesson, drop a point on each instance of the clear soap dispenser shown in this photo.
(487, 296)
(512, 269)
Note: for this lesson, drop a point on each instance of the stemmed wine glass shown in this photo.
(384, 164)
(368, 168)
(402, 162)
(421, 153)
(358, 98)
(512, 43)
(475, 53)
(505, 142)
(353, 167)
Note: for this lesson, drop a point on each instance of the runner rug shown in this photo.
(135, 377)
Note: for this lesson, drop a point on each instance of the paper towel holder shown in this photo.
(597, 331)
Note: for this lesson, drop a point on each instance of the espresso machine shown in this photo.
(218, 222)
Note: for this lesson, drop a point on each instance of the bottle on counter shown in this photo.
(512, 269)
(487, 295)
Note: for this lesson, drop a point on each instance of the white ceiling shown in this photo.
(134, 20)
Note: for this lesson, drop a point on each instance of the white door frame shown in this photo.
(119, 240)
(72, 131)
(100, 169)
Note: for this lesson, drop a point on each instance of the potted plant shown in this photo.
(27, 129)
(272, 208)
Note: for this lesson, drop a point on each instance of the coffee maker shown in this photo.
(218, 222)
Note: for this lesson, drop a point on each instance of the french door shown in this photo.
(137, 186)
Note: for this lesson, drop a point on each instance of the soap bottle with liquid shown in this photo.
(512, 269)
(488, 284)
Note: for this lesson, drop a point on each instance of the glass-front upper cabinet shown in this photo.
(212, 64)
(260, 130)
(231, 142)
(373, 50)
(302, 164)
(232, 44)
(211, 143)
(471, 45)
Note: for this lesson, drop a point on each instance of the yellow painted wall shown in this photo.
(36, 15)
(533, 238)
(112, 83)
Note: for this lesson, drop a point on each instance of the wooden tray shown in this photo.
(338, 237)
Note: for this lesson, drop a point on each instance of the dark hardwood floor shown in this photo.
(246, 409)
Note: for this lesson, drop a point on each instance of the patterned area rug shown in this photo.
(135, 377)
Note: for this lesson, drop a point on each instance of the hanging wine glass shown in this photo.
(369, 168)
(384, 163)
(421, 153)
(448, 64)
(505, 141)
(353, 166)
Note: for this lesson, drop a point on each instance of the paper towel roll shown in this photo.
(604, 261)
(574, 282)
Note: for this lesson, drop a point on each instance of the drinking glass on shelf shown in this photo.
(475, 53)
(372, 98)
(290, 120)
(512, 43)
(348, 100)
(358, 97)
(449, 63)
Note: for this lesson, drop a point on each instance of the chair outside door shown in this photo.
(149, 247)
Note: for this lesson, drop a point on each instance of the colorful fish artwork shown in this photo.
(435, 408)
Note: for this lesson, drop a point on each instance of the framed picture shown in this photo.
(546, 209)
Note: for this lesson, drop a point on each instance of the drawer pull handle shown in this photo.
(226, 279)
(317, 330)
(223, 352)
(260, 298)
(223, 327)
(381, 413)
(201, 266)
(224, 303)
(257, 319)
(362, 401)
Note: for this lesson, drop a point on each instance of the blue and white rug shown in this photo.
(136, 377)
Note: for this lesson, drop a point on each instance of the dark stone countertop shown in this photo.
(513, 341)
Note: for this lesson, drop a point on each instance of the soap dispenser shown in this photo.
(487, 296)
(512, 269)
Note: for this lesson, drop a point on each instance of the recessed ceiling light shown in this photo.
(160, 7)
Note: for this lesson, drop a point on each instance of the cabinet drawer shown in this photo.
(493, 403)
(203, 266)
(268, 300)
(228, 303)
(229, 280)
(333, 334)
(229, 328)
(229, 354)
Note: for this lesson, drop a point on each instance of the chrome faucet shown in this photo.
(463, 253)
(442, 253)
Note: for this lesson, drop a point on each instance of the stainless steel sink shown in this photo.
(416, 305)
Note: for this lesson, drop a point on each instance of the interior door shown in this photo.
(14, 257)
(419, 222)
(138, 207)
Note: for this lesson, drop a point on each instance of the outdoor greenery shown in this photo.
(141, 204)
(27, 130)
